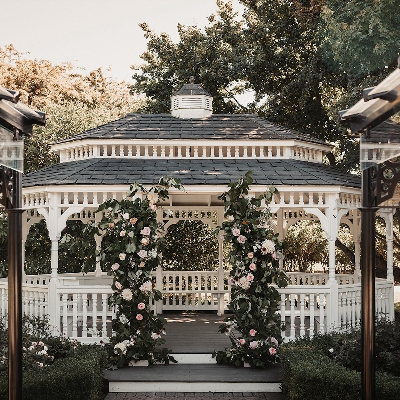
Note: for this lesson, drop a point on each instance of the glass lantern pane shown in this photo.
(11, 152)
(378, 148)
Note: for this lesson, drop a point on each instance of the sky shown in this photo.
(96, 33)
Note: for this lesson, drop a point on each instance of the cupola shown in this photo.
(191, 101)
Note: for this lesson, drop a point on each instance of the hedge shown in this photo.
(78, 377)
(309, 374)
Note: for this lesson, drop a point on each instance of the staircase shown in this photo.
(193, 338)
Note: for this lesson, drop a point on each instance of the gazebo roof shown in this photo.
(116, 171)
(215, 127)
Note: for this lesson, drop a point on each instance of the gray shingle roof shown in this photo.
(191, 89)
(216, 127)
(114, 171)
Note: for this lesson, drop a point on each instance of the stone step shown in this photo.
(197, 378)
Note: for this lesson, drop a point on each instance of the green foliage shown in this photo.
(328, 366)
(132, 252)
(255, 271)
(53, 366)
(305, 245)
(190, 245)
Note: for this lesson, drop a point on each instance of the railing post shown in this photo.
(333, 306)
(158, 305)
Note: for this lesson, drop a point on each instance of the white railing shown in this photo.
(82, 310)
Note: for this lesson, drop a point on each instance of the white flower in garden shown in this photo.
(145, 231)
(152, 197)
(241, 239)
(142, 253)
(118, 285)
(115, 266)
(230, 218)
(145, 241)
(331, 350)
(244, 283)
(254, 344)
(122, 233)
(141, 306)
(235, 231)
(155, 336)
(122, 256)
(268, 247)
(120, 346)
(142, 264)
(153, 253)
(146, 287)
(127, 294)
(125, 216)
(123, 319)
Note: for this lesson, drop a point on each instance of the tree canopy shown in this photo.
(303, 60)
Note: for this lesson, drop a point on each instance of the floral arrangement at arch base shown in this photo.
(254, 328)
(131, 250)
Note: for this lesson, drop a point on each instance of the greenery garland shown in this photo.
(131, 250)
(254, 328)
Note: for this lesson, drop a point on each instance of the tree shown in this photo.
(190, 245)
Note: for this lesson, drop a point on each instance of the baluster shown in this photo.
(292, 317)
(74, 315)
(65, 313)
(283, 314)
(321, 314)
(302, 316)
(84, 314)
(104, 303)
(312, 309)
(94, 311)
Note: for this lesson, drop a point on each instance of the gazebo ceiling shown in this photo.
(117, 171)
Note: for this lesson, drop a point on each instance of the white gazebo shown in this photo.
(206, 151)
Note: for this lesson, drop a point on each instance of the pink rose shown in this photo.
(241, 239)
(235, 231)
(252, 332)
(115, 266)
(250, 255)
(142, 253)
(254, 344)
(272, 351)
(139, 317)
(252, 267)
(141, 306)
(118, 285)
(145, 231)
(242, 342)
(250, 277)
(153, 207)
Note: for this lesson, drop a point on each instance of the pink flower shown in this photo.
(122, 256)
(235, 231)
(139, 317)
(118, 285)
(142, 253)
(272, 351)
(241, 239)
(141, 306)
(242, 342)
(145, 231)
(250, 255)
(145, 241)
(122, 233)
(275, 255)
(254, 344)
(115, 266)
(250, 277)
(153, 207)
(252, 267)
(133, 221)
(252, 332)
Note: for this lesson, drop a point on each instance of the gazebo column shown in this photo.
(98, 240)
